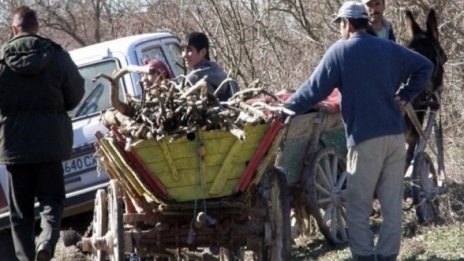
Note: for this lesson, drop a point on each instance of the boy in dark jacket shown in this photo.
(196, 56)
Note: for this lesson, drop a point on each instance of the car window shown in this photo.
(176, 52)
(153, 53)
(96, 97)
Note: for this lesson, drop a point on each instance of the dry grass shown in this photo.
(424, 243)
(431, 243)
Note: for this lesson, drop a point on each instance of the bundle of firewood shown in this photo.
(170, 110)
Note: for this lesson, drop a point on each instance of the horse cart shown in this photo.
(177, 196)
(313, 155)
(205, 192)
(211, 190)
(425, 177)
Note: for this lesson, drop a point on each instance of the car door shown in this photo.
(82, 169)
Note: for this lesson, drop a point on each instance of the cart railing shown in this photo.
(201, 165)
(305, 135)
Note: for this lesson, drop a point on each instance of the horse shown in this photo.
(425, 42)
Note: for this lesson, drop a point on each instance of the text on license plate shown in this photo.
(81, 163)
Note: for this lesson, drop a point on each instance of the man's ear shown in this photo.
(15, 30)
(350, 26)
(203, 52)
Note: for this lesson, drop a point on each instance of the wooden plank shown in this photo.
(182, 194)
(227, 166)
(269, 156)
(117, 159)
(150, 154)
(113, 172)
(260, 152)
(111, 155)
(145, 174)
(169, 161)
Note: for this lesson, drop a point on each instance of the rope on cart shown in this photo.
(439, 143)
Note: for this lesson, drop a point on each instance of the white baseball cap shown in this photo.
(351, 9)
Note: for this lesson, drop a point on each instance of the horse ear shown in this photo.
(411, 26)
(432, 24)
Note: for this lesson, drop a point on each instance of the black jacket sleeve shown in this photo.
(73, 83)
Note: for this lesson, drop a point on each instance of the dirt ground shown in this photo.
(62, 253)
(71, 253)
(441, 242)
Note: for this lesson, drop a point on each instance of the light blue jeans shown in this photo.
(375, 166)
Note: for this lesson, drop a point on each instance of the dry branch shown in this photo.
(163, 110)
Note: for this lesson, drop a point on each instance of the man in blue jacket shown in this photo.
(369, 72)
(39, 83)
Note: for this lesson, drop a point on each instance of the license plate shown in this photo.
(80, 164)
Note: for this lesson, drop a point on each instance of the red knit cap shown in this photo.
(159, 66)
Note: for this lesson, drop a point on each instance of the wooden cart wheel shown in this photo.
(277, 234)
(115, 224)
(425, 189)
(325, 181)
(100, 221)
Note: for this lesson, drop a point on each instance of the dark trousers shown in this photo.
(27, 182)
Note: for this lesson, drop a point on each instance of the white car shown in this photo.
(81, 173)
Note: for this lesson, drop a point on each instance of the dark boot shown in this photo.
(386, 258)
(44, 252)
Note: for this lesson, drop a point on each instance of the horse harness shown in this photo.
(440, 59)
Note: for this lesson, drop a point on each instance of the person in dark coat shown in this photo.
(39, 83)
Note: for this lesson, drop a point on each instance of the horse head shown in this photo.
(426, 42)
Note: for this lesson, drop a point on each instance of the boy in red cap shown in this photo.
(158, 72)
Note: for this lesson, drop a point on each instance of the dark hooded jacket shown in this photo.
(215, 76)
(388, 27)
(39, 83)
